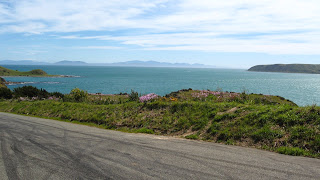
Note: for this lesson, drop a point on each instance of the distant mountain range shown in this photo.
(127, 63)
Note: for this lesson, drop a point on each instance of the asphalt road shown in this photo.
(34, 148)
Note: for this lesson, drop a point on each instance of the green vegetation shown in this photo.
(133, 96)
(192, 136)
(76, 95)
(266, 122)
(2, 83)
(293, 151)
(5, 93)
(9, 72)
(25, 92)
(288, 68)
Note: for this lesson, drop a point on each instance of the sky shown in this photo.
(230, 33)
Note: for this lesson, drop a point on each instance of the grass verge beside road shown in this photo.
(265, 122)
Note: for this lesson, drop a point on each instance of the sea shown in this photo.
(303, 89)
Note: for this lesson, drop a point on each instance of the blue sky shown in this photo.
(233, 33)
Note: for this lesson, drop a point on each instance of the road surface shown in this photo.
(34, 148)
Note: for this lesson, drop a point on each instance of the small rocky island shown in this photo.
(288, 68)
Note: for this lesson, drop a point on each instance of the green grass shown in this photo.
(192, 136)
(293, 151)
(144, 130)
(266, 122)
(9, 72)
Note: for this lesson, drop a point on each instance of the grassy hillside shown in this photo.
(261, 121)
(288, 68)
(8, 72)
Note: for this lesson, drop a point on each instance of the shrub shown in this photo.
(30, 91)
(57, 94)
(78, 95)
(133, 96)
(5, 93)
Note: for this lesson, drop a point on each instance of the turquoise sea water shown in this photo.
(303, 89)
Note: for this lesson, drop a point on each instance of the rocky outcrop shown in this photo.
(2, 82)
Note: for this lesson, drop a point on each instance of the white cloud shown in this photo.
(75, 15)
(97, 47)
(268, 26)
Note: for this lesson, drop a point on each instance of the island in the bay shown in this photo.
(288, 68)
(9, 72)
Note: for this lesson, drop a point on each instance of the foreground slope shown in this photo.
(261, 121)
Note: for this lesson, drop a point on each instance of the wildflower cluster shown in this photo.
(220, 95)
(205, 93)
(169, 99)
(148, 97)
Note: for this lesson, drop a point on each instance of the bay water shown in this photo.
(303, 89)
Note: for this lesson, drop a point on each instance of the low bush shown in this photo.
(30, 91)
(5, 93)
(133, 96)
(76, 95)
(57, 94)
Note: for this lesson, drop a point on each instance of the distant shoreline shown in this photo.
(116, 64)
(288, 68)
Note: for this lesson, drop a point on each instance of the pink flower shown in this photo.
(148, 97)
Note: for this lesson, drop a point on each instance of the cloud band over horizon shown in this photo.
(288, 27)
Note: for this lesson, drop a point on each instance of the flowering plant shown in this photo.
(148, 97)
(205, 93)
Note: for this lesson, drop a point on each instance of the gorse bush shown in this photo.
(57, 94)
(33, 92)
(5, 93)
(30, 91)
(76, 95)
(133, 96)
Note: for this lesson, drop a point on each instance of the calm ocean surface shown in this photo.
(303, 89)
